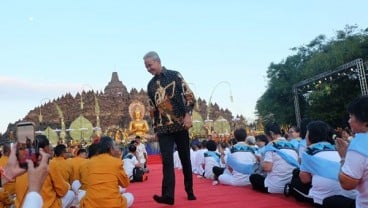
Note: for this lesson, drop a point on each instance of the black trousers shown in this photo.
(217, 171)
(166, 142)
(338, 201)
(257, 182)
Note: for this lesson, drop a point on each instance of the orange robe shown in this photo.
(10, 186)
(83, 174)
(65, 167)
(21, 188)
(53, 188)
(105, 174)
(76, 164)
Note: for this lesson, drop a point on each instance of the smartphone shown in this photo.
(27, 145)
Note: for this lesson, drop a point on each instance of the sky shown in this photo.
(49, 48)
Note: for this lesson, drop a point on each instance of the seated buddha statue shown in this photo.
(138, 126)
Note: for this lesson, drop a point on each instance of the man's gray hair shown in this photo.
(153, 55)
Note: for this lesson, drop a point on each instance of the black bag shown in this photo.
(138, 174)
(297, 189)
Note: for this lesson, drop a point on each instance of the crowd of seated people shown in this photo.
(318, 164)
(97, 181)
(322, 166)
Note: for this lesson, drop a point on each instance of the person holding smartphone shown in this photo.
(55, 190)
(36, 176)
(9, 188)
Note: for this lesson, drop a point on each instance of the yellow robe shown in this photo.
(53, 188)
(65, 167)
(21, 188)
(83, 174)
(105, 174)
(76, 164)
(10, 186)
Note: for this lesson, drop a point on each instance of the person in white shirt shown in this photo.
(211, 159)
(141, 152)
(199, 159)
(279, 162)
(130, 161)
(320, 164)
(193, 155)
(243, 155)
(354, 156)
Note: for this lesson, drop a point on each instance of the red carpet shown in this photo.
(207, 194)
(154, 159)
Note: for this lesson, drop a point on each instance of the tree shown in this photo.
(325, 101)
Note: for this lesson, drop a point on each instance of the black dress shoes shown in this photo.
(164, 199)
(191, 197)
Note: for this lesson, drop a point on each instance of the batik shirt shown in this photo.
(170, 99)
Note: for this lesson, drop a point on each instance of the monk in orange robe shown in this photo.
(10, 186)
(53, 189)
(76, 163)
(65, 166)
(83, 171)
(105, 175)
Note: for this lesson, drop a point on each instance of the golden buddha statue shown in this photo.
(138, 126)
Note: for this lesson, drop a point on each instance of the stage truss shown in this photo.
(353, 68)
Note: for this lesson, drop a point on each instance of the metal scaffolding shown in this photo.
(354, 67)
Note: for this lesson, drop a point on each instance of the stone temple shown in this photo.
(105, 110)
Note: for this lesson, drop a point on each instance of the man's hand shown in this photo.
(36, 176)
(13, 170)
(341, 146)
(187, 121)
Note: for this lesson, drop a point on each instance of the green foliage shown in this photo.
(329, 99)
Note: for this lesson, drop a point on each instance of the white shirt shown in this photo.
(244, 158)
(324, 187)
(177, 161)
(129, 164)
(209, 163)
(281, 172)
(33, 200)
(199, 161)
(193, 155)
(141, 150)
(356, 166)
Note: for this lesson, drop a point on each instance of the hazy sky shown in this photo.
(48, 48)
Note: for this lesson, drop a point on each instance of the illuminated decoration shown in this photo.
(61, 116)
(353, 70)
(198, 128)
(97, 112)
(81, 129)
(222, 126)
(51, 134)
